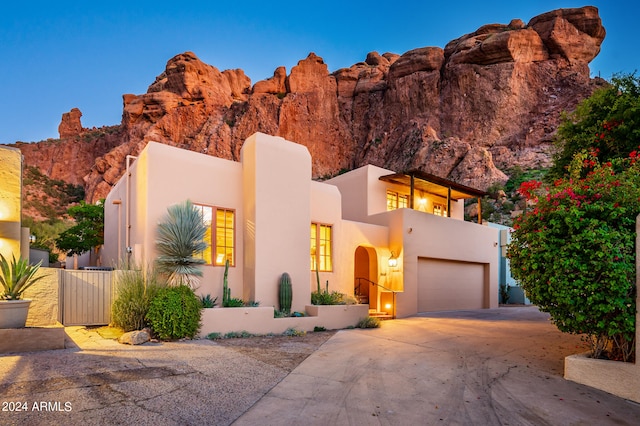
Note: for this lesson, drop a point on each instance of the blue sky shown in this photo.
(85, 54)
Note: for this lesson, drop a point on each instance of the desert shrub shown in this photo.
(175, 313)
(135, 290)
(208, 302)
(238, 334)
(234, 302)
(280, 314)
(318, 328)
(292, 332)
(325, 297)
(369, 322)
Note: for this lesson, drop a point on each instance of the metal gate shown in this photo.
(85, 297)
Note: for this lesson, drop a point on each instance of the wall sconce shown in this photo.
(393, 260)
(32, 238)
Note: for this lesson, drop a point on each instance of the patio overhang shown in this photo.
(435, 185)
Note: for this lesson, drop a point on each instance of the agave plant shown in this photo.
(180, 239)
(16, 276)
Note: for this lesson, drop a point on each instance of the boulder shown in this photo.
(135, 337)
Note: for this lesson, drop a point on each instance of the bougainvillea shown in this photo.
(573, 251)
(608, 123)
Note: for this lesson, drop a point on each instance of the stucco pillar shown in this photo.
(277, 218)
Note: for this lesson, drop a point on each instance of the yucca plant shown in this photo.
(16, 276)
(180, 239)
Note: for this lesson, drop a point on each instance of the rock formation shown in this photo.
(70, 125)
(486, 102)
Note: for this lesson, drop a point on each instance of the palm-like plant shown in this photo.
(16, 276)
(180, 239)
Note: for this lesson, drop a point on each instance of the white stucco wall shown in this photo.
(276, 191)
(414, 235)
(160, 177)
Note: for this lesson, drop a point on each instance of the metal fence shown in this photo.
(85, 297)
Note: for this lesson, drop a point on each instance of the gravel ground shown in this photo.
(97, 381)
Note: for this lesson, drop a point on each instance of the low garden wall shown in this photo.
(44, 295)
(260, 320)
(618, 378)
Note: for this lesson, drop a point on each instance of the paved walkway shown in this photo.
(490, 367)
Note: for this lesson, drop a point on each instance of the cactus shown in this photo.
(318, 280)
(285, 293)
(226, 291)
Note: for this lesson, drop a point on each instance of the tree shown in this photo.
(87, 233)
(574, 251)
(607, 124)
(180, 240)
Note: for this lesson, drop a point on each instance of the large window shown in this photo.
(396, 201)
(220, 235)
(321, 247)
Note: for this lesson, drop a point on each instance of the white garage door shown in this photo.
(450, 285)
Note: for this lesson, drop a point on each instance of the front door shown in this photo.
(365, 276)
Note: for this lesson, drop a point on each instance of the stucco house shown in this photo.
(395, 240)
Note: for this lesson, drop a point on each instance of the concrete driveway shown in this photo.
(489, 367)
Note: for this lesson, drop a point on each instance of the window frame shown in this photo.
(443, 210)
(212, 230)
(393, 200)
(316, 257)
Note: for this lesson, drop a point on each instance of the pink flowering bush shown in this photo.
(573, 251)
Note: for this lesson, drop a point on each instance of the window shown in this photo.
(321, 241)
(396, 201)
(439, 209)
(220, 235)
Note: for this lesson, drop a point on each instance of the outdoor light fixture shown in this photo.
(393, 260)
(387, 306)
(32, 238)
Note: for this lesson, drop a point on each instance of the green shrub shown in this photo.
(369, 322)
(292, 332)
(574, 252)
(207, 301)
(214, 336)
(280, 314)
(135, 290)
(318, 328)
(238, 334)
(234, 302)
(326, 298)
(174, 313)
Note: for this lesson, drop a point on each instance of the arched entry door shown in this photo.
(366, 275)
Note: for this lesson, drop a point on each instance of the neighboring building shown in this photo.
(398, 241)
(14, 240)
(516, 293)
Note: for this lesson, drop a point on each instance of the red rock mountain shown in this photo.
(488, 101)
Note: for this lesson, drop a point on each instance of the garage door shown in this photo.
(450, 285)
